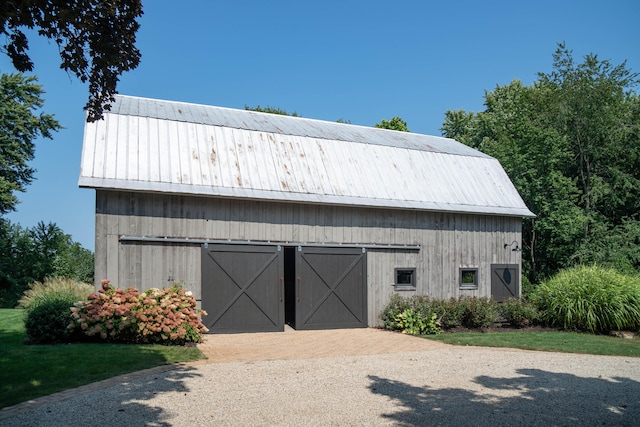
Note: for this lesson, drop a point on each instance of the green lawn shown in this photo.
(30, 371)
(566, 342)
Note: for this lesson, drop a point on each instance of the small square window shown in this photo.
(405, 279)
(468, 278)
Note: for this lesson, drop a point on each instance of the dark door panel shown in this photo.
(505, 281)
(242, 289)
(331, 288)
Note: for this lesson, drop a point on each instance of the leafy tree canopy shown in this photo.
(270, 110)
(570, 143)
(32, 254)
(20, 125)
(96, 40)
(396, 123)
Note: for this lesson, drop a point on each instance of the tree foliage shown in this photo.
(396, 123)
(570, 143)
(20, 125)
(96, 40)
(270, 110)
(33, 254)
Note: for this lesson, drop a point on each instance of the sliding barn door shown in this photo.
(331, 289)
(242, 289)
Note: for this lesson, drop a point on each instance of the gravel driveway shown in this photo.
(431, 384)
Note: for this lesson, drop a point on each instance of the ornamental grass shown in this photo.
(54, 289)
(590, 298)
(46, 308)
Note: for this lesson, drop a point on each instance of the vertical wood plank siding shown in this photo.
(448, 241)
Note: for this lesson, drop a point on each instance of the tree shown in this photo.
(270, 110)
(74, 261)
(19, 127)
(96, 40)
(32, 254)
(396, 123)
(595, 110)
(571, 145)
(48, 241)
(14, 245)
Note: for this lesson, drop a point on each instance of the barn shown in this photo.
(274, 220)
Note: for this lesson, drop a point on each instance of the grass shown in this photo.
(565, 342)
(31, 371)
(590, 298)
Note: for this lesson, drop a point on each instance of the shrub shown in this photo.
(446, 314)
(167, 316)
(47, 322)
(590, 298)
(54, 289)
(414, 323)
(421, 305)
(395, 306)
(527, 288)
(47, 306)
(450, 313)
(478, 312)
(519, 313)
(414, 315)
(468, 312)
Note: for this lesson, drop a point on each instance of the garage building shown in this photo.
(272, 220)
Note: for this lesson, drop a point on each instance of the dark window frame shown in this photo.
(403, 284)
(468, 285)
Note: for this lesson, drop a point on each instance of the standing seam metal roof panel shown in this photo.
(163, 146)
(285, 125)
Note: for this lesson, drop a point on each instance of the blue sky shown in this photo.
(362, 61)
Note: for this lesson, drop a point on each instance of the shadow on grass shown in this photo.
(123, 402)
(535, 397)
(30, 371)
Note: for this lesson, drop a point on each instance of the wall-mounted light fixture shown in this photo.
(515, 248)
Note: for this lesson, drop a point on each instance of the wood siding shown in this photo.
(448, 241)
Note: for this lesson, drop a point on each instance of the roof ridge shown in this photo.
(281, 124)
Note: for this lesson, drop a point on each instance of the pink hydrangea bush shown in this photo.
(167, 316)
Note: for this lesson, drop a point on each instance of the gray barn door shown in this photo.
(242, 289)
(331, 289)
(505, 281)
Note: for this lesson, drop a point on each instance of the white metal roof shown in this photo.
(172, 147)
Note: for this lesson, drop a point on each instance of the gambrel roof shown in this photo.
(172, 147)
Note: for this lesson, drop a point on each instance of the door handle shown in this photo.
(280, 291)
(298, 278)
